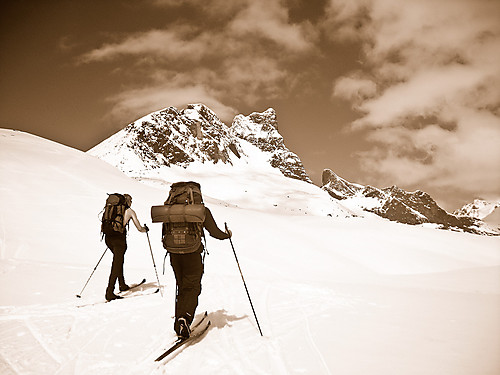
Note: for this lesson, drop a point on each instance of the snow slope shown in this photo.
(334, 293)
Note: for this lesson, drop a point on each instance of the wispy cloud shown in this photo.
(426, 60)
(175, 44)
(131, 103)
(235, 55)
(269, 19)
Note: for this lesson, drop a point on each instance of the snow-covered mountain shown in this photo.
(334, 294)
(401, 206)
(195, 134)
(486, 211)
(479, 209)
(157, 143)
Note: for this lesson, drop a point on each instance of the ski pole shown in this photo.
(102, 256)
(152, 257)
(244, 283)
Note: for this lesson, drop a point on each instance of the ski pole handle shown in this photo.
(228, 231)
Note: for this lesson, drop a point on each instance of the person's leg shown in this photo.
(177, 267)
(191, 284)
(121, 279)
(118, 248)
(188, 270)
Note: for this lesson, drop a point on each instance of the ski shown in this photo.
(205, 314)
(131, 289)
(182, 342)
(196, 332)
(127, 296)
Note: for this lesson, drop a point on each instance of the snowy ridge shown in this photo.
(328, 290)
(401, 206)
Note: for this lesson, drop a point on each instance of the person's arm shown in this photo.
(130, 214)
(212, 227)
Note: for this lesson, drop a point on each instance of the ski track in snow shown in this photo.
(237, 338)
(312, 342)
(60, 338)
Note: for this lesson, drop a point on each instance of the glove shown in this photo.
(146, 227)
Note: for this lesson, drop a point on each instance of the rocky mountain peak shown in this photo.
(171, 136)
(266, 119)
(261, 130)
(180, 137)
(338, 187)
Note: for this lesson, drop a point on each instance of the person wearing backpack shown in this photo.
(117, 214)
(184, 217)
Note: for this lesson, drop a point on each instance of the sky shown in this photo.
(383, 92)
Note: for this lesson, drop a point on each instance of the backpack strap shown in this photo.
(205, 250)
(191, 194)
(173, 196)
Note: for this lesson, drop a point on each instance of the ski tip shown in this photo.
(157, 290)
(143, 281)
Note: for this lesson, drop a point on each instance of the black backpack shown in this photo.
(112, 217)
(182, 216)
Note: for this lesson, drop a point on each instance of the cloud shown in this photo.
(245, 26)
(466, 158)
(269, 19)
(354, 88)
(252, 78)
(425, 60)
(128, 104)
(165, 44)
(427, 91)
(241, 53)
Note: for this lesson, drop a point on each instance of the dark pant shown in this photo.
(188, 270)
(118, 246)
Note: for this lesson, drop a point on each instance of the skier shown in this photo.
(117, 243)
(188, 269)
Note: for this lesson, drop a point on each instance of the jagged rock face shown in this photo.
(170, 137)
(419, 202)
(261, 130)
(419, 207)
(395, 210)
(337, 187)
(397, 204)
(372, 192)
